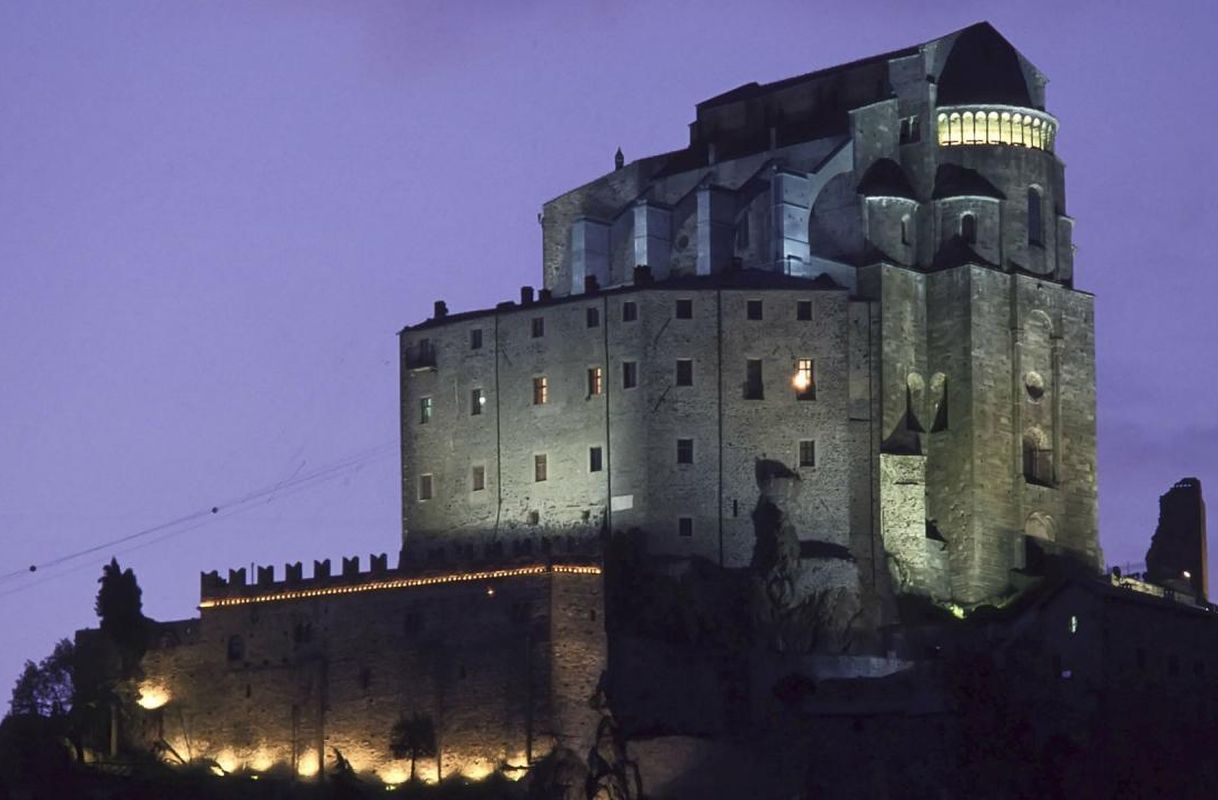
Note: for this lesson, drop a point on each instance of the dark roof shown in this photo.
(886, 178)
(730, 279)
(982, 67)
(953, 180)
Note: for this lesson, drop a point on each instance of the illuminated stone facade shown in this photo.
(866, 222)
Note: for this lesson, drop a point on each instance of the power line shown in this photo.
(297, 482)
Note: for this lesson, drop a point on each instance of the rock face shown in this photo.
(1177, 555)
(806, 594)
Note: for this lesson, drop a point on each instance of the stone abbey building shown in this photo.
(825, 362)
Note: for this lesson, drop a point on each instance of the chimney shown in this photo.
(543, 295)
(441, 310)
(591, 284)
(526, 295)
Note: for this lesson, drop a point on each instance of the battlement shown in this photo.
(216, 591)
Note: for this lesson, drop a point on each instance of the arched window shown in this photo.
(968, 228)
(1017, 129)
(970, 134)
(943, 129)
(1006, 128)
(1035, 217)
(1037, 458)
(953, 134)
(991, 131)
(1037, 140)
(905, 233)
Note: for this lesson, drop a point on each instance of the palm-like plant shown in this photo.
(413, 737)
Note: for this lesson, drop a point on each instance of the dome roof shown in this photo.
(983, 67)
(885, 178)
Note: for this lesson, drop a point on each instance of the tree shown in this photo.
(120, 610)
(413, 737)
(45, 689)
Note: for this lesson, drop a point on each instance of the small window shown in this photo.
(236, 648)
(905, 236)
(541, 391)
(807, 453)
(595, 459)
(1035, 217)
(803, 310)
(477, 478)
(753, 309)
(804, 380)
(475, 339)
(630, 374)
(685, 372)
(968, 228)
(753, 387)
(425, 487)
(593, 317)
(685, 309)
(1073, 624)
(685, 451)
(630, 311)
(426, 407)
(534, 518)
(476, 401)
(596, 381)
(540, 470)
(539, 327)
(685, 526)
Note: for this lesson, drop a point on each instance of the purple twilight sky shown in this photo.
(215, 216)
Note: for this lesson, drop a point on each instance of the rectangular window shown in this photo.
(426, 407)
(805, 380)
(596, 381)
(753, 387)
(807, 453)
(475, 339)
(539, 468)
(685, 309)
(630, 311)
(541, 391)
(803, 310)
(753, 309)
(630, 374)
(425, 487)
(476, 401)
(685, 451)
(477, 478)
(595, 459)
(685, 372)
(539, 327)
(685, 526)
(594, 317)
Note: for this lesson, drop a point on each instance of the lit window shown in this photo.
(905, 229)
(685, 451)
(685, 526)
(593, 317)
(753, 387)
(968, 228)
(596, 381)
(595, 459)
(475, 339)
(476, 401)
(539, 468)
(541, 391)
(685, 372)
(804, 380)
(1073, 624)
(803, 310)
(807, 453)
(630, 374)
(426, 406)
(630, 311)
(539, 327)
(425, 487)
(753, 309)
(477, 478)
(685, 309)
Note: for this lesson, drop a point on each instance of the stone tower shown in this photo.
(850, 296)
